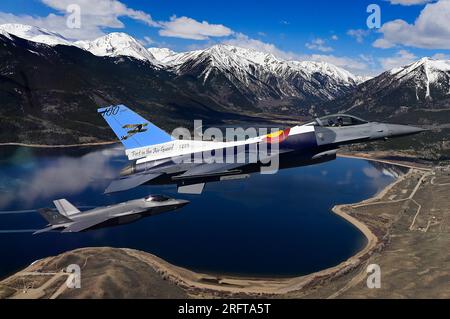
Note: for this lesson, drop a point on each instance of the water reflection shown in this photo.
(53, 177)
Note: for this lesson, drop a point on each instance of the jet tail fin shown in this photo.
(133, 130)
(65, 208)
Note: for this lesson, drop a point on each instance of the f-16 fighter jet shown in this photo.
(158, 158)
(67, 218)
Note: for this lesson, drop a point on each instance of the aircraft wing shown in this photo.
(84, 224)
(211, 170)
(204, 170)
(229, 167)
(129, 182)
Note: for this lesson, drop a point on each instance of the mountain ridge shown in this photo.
(415, 94)
(44, 83)
(235, 77)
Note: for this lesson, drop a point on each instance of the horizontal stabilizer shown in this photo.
(130, 182)
(194, 189)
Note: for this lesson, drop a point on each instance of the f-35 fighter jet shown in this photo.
(67, 218)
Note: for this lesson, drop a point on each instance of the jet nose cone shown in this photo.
(403, 130)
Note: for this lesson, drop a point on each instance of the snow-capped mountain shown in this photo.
(430, 77)
(231, 56)
(34, 34)
(161, 54)
(225, 55)
(117, 44)
(260, 76)
(5, 34)
(257, 75)
(424, 84)
(114, 44)
(236, 77)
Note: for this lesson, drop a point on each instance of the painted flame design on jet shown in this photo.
(277, 137)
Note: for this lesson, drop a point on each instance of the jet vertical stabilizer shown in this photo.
(133, 130)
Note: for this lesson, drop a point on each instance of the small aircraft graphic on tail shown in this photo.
(133, 129)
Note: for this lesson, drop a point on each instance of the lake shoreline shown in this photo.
(228, 286)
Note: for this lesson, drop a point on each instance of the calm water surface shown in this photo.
(268, 225)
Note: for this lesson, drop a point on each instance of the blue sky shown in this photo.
(332, 31)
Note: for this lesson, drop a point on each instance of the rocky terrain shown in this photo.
(106, 273)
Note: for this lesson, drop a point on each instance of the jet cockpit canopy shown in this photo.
(157, 198)
(338, 120)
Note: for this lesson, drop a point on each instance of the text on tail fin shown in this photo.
(133, 130)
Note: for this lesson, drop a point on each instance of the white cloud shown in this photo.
(383, 44)
(409, 2)
(56, 23)
(106, 11)
(401, 58)
(441, 56)
(358, 34)
(95, 16)
(52, 181)
(334, 37)
(101, 14)
(431, 29)
(319, 44)
(187, 28)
